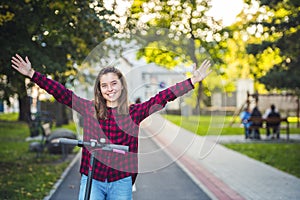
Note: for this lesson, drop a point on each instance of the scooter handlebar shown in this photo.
(105, 146)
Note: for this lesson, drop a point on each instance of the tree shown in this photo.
(282, 27)
(183, 33)
(55, 34)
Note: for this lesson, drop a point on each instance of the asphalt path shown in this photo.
(69, 187)
(168, 182)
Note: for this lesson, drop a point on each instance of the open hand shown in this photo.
(202, 72)
(22, 66)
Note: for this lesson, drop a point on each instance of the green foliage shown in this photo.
(239, 63)
(54, 34)
(178, 34)
(282, 31)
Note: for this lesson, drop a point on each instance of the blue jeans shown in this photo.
(116, 190)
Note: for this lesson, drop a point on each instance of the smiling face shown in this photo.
(111, 88)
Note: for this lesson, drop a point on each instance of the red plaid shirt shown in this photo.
(117, 129)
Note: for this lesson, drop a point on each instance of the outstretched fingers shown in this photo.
(27, 60)
(16, 61)
(204, 69)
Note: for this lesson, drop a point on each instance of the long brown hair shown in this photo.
(100, 102)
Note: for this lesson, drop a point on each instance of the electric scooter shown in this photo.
(94, 144)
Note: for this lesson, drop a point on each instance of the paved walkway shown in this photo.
(225, 173)
(220, 172)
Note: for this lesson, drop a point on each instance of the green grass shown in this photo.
(214, 125)
(23, 175)
(206, 125)
(9, 117)
(284, 156)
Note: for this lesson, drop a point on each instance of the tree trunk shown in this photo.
(61, 114)
(199, 90)
(24, 106)
(65, 118)
(199, 97)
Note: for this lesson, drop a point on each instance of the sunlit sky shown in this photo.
(222, 9)
(226, 10)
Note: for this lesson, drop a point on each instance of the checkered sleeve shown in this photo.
(61, 93)
(160, 100)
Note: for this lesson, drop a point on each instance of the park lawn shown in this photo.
(283, 156)
(23, 175)
(206, 125)
(9, 117)
(214, 125)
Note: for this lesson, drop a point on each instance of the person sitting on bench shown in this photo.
(256, 117)
(273, 122)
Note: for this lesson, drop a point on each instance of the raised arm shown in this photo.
(57, 90)
(159, 101)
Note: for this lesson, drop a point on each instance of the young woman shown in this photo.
(110, 116)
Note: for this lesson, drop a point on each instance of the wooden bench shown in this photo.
(49, 139)
(39, 146)
(263, 124)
